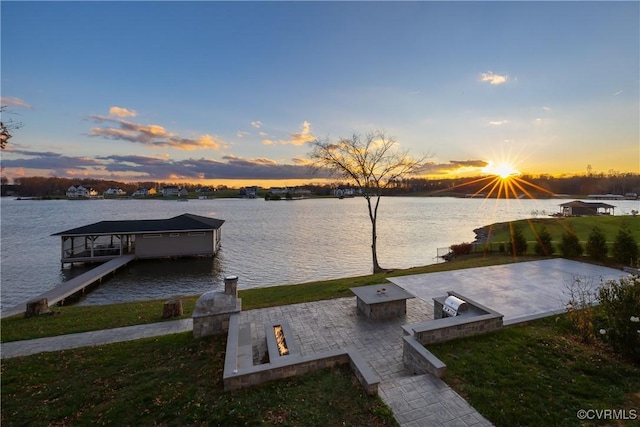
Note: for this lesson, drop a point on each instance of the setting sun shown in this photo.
(503, 170)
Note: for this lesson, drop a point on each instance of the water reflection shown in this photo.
(152, 279)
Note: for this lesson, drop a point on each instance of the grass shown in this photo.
(173, 380)
(75, 319)
(582, 226)
(538, 374)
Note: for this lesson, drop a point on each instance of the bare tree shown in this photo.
(7, 127)
(372, 164)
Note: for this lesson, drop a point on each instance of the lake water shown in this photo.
(264, 243)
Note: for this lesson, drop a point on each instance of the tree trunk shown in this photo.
(37, 307)
(172, 308)
(373, 216)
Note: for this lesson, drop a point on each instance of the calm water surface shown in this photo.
(264, 243)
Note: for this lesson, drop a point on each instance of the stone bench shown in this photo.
(245, 346)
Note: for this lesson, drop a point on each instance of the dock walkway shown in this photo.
(77, 284)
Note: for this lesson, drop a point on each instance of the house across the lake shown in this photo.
(585, 208)
(183, 235)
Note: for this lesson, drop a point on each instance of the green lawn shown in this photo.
(173, 380)
(538, 375)
(582, 226)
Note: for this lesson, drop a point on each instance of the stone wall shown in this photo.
(382, 311)
(450, 328)
(443, 329)
(419, 360)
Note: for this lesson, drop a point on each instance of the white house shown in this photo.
(171, 190)
(142, 192)
(115, 192)
(80, 191)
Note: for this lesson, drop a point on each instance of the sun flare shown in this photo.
(503, 170)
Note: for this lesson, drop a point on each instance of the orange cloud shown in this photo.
(122, 112)
(303, 137)
(152, 135)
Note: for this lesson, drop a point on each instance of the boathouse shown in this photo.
(583, 208)
(183, 235)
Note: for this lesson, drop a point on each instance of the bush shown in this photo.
(625, 248)
(461, 249)
(570, 246)
(582, 297)
(597, 245)
(620, 304)
(543, 245)
(518, 242)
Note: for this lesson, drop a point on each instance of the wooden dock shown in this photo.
(77, 284)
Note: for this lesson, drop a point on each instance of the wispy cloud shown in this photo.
(256, 124)
(152, 135)
(618, 93)
(494, 79)
(121, 112)
(11, 101)
(498, 122)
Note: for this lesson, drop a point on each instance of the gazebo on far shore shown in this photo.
(579, 208)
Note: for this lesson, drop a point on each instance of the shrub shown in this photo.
(518, 242)
(625, 248)
(582, 297)
(597, 245)
(461, 249)
(620, 304)
(543, 245)
(570, 246)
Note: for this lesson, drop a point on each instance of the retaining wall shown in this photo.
(418, 360)
(236, 376)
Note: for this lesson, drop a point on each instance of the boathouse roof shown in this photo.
(184, 222)
(580, 204)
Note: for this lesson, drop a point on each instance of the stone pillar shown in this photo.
(231, 285)
(36, 307)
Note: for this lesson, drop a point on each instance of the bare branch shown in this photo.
(7, 127)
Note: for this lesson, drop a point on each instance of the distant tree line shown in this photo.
(540, 185)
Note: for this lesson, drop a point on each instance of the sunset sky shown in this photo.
(219, 91)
